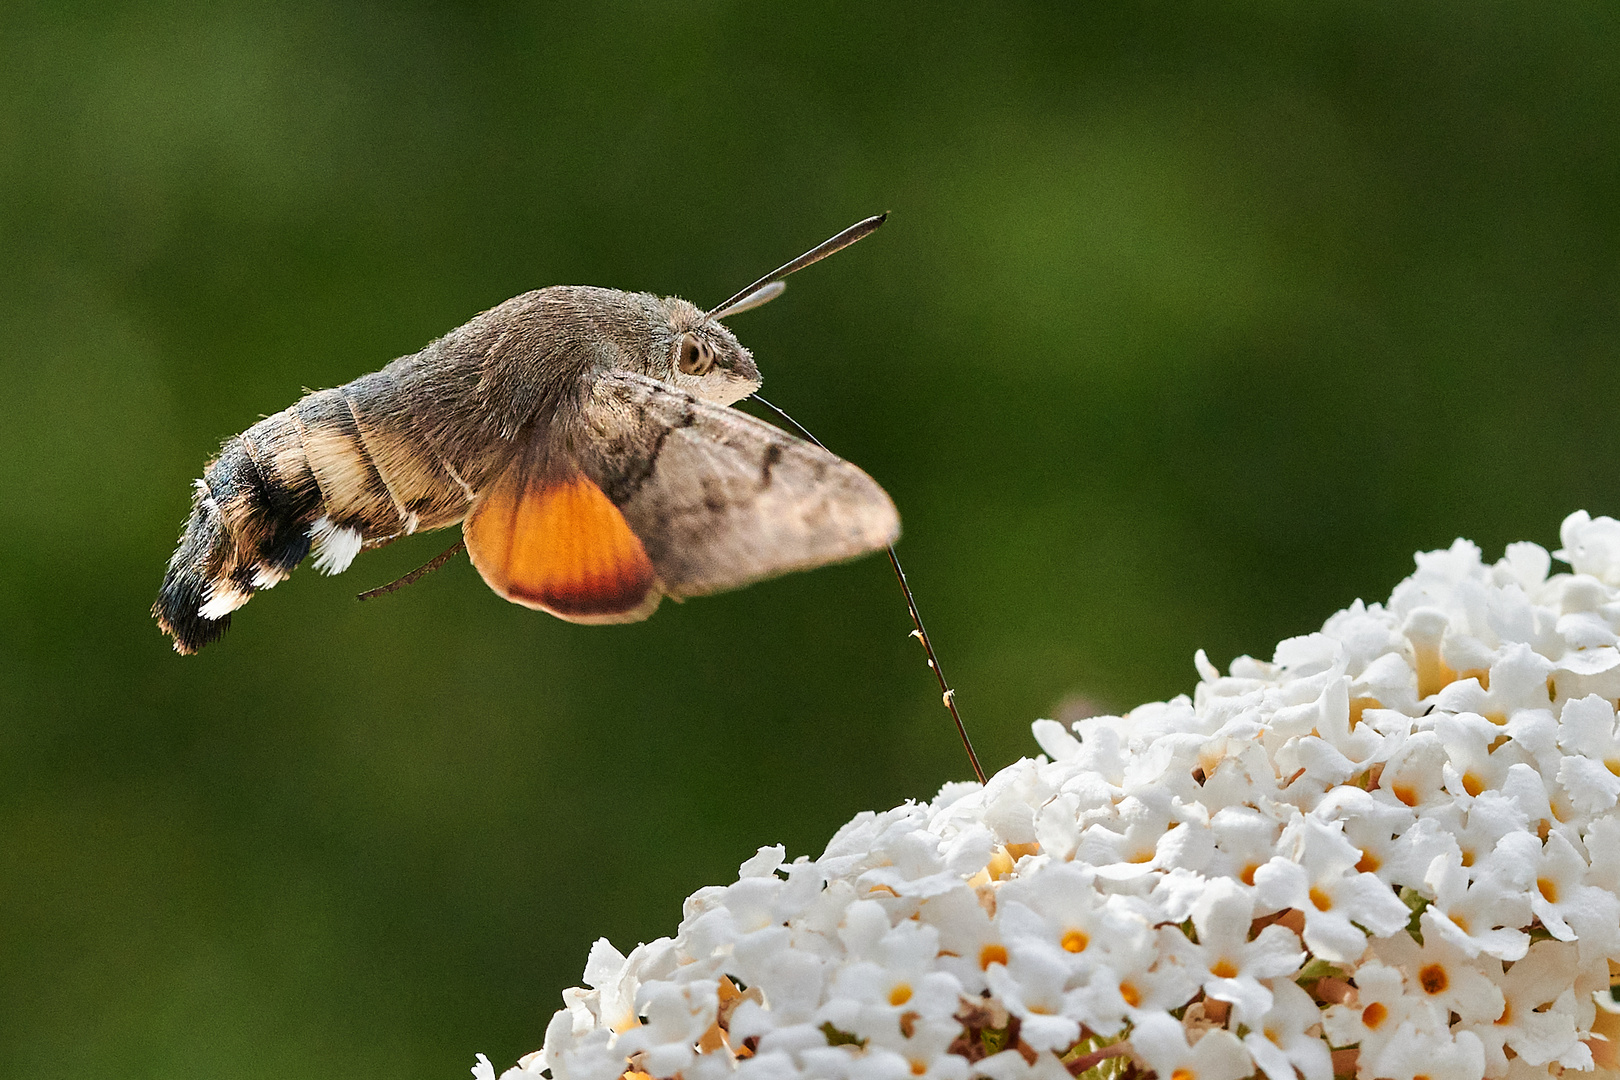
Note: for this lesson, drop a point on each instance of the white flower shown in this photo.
(870, 996)
(1446, 975)
(1150, 979)
(1471, 767)
(1162, 1043)
(1484, 915)
(1282, 1041)
(969, 940)
(1590, 771)
(924, 1052)
(1471, 832)
(1591, 546)
(677, 1015)
(1031, 986)
(1145, 837)
(1233, 966)
(1381, 1006)
(1334, 897)
(1212, 885)
(1438, 1055)
(1567, 906)
(1538, 1017)
(1395, 844)
(1603, 844)
(1415, 774)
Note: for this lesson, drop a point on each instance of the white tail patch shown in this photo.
(221, 603)
(267, 578)
(336, 545)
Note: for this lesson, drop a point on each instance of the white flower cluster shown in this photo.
(1391, 852)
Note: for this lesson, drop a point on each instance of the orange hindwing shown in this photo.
(561, 546)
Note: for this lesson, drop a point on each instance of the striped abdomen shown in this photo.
(338, 470)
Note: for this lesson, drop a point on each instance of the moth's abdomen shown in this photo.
(338, 469)
(266, 496)
(424, 487)
(355, 502)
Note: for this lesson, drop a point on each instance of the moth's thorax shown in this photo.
(538, 354)
(554, 341)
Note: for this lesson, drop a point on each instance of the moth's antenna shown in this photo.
(855, 232)
(946, 693)
(759, 297)
(415, 575)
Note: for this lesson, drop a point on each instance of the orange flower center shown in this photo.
(900, 994)
(1075, 941)
(1373, 1015)
(1432, 672)
(1360, 705)
(992, 954)
(1433, 979)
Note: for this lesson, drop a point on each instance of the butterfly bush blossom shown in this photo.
(1393, 852)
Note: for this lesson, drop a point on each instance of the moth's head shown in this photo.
(704, 358)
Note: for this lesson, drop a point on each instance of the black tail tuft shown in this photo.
(249, 526)
(198, 565)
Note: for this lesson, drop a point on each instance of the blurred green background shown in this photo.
(1191, 323)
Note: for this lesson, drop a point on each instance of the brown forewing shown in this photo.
(718, 498)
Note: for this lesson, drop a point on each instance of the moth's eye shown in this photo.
(695, 358)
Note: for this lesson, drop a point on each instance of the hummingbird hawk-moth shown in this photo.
(582, 438)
